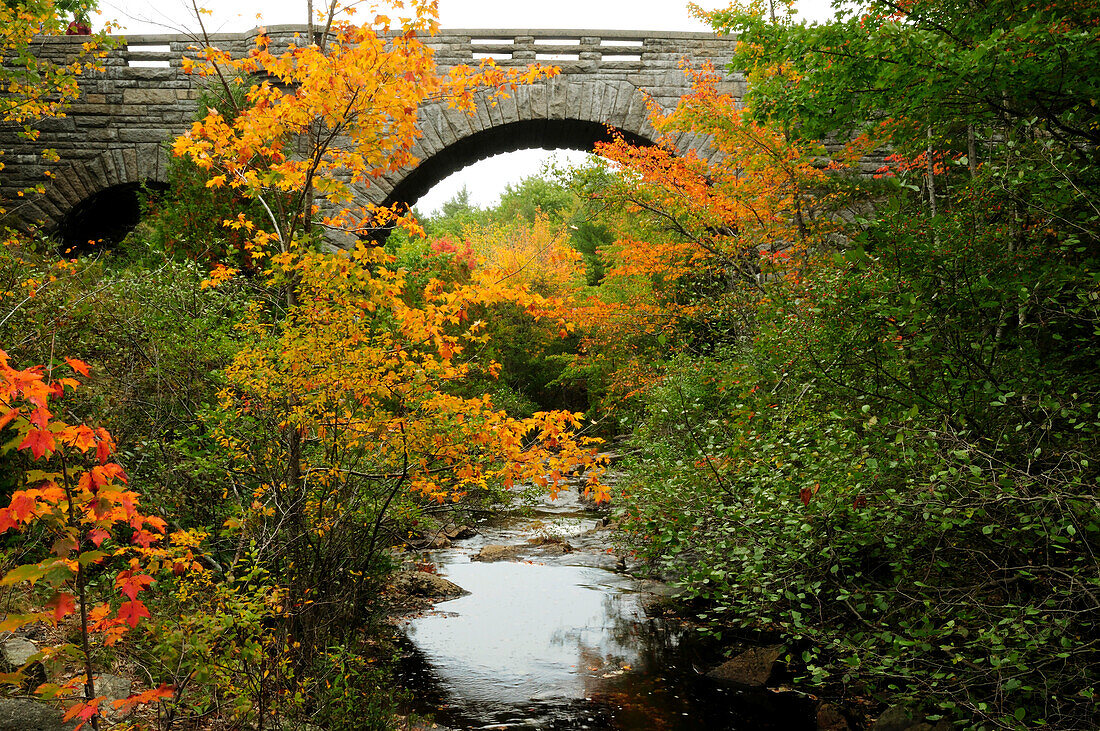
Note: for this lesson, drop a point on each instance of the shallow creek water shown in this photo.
(562, 641)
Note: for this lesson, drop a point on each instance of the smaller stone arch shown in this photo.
(100, 199)
(105, 217)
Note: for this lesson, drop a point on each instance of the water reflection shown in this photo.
(568, 647)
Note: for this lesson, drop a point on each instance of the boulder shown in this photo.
(750, 669)
(16, 652)
(497, 553)
(829, 718)
(435, 540)
(427, 585)
(553, 545)
(900, 718)
(115, 688)
(22, 714)
(460, 532)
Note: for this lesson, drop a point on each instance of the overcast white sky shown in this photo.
(486, 179)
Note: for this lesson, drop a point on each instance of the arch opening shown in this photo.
(105, 217)
(572, 134)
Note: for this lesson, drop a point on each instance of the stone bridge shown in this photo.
(113, 140)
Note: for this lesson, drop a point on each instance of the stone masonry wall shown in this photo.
(116, 133)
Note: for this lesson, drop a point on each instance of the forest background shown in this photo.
(860, 390)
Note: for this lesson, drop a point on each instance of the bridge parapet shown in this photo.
(115, 134)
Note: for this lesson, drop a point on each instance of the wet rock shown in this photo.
(829, 718)
(20, 714)
(899, 718)
(428, 542)
(497, 553)
(426, 585)
(750, 669)
(434, 540)
(656, 605)
(460, 532)
(557, 549)
(553, 545)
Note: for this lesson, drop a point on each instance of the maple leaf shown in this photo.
(39, 441)
(104, 446)
(78, 365)
(22, 505)
(84, 710)
(148, 696)
(62, 605)
(81, 437)
(131, 612)
(130, 584)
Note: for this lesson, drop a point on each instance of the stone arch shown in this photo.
(82, 185)
(550, 134)
(105, 217)
(558, 113)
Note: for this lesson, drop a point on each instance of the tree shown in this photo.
(352, 118)
(75, 495)
(892, 464)
(697, 244)
(342, 417)
(902, 66)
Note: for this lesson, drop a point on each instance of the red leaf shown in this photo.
(22, 506)
(805, 494)
(132, 612)
(78, 365)
(148, 696)
(97, 536)
(144, 538)
(130, 585)
(62, 605)
(39, 441)
(40, 417)
(84, 710)
(104, 446)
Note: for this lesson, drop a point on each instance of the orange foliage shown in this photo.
(535, 255)
(703, 236)
(349, 118)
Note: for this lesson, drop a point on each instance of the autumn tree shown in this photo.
(342, 416)
(73, 497)
(892, 463)
(698, 243)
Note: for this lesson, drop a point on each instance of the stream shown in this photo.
(562, 640)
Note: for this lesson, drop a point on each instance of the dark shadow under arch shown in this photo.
(105, 217)
(552, 134)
